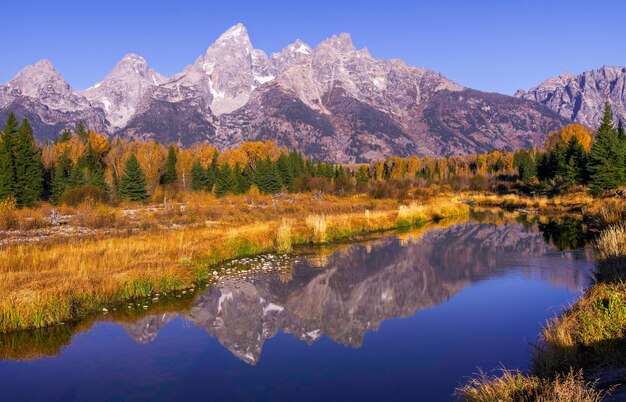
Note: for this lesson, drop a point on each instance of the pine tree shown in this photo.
(170, 176)
(211, 173)
(65, 136)
(60, 178)
(285, 173)
(621, 135)
(296, 163)
(225, 181)
(362, 176)
(133, 183)
(606, 163)
(266, 176)
(29, 172)
(82, 132)
(88, 170)
(562, 171)
(7, 157)
(242, 182)
(525, 166)
(198, 177)
(577, 159)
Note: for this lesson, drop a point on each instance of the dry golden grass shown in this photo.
(48, 283)
(610, 253)
(436, 208)
(574, 201)
(605, 213)
(284, 237)
(591, 334)
(515, 386)
(319, 226)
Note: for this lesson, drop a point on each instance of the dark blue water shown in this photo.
(391, 320)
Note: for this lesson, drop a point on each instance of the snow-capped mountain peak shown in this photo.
(332, 102)
(123, 88)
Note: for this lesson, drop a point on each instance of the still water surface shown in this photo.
(396, 319)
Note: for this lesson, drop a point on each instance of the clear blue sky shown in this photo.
(488, 45)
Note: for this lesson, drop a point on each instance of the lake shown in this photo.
(402, 318)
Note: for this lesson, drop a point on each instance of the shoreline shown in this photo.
(139, 266)
(581, 353)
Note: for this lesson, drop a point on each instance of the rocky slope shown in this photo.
(581, 97)
(40, 93)
(121, 91)
(332, 101)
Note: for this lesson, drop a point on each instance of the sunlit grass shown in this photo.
(52, 282)
(539, 203)
(512, 385)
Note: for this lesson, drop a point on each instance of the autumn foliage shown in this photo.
(564, 136)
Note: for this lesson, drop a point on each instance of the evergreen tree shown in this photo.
(296, 163)
(89, 170)
(65, 136)
(362, 176)
(525, 165)
(7, 157)
(621, 134)
(29, 174)
(606, 163)
(577, 159)
(82, 132)
(285, 173)
(564, 173)
(542, 167)
(242, 182)
(133, 183)
(60, 178)
(211, 173)
(198, 177)
(170, 176)
(266, 176)
(225, 181)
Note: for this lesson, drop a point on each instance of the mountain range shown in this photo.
(332, 102)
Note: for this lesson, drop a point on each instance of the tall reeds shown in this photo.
(512, 385)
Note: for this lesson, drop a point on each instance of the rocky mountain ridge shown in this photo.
(581, 97)
(332, 101)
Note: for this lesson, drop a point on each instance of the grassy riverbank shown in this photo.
(581, 353)
(148, 250)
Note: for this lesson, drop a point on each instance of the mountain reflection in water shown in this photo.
(356, 288)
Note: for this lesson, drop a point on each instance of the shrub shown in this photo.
(317, 223)
(514, 386)
(95, 216)
(85, 193)
(479, 183)
(610, 249)
(8, 215)
(283, 237)
(609, 213)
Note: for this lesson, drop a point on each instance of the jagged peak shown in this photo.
(37, 73)
(365, 53)
(44, 63)
(341, 42)
(133, 57)
(130, 65)
(237, 32)
(299, 47)
(41, 66)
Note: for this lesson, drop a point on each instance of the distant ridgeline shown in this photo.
(84, 165)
